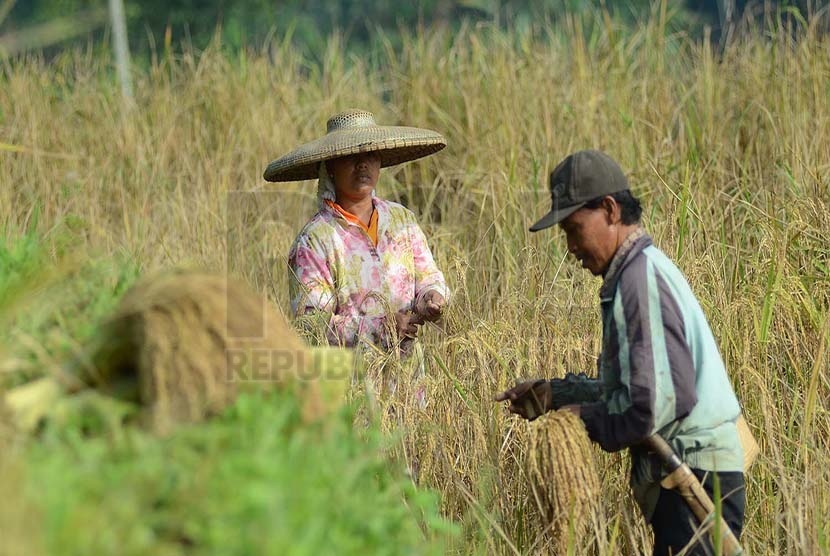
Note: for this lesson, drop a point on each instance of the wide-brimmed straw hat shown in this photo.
(352, 132)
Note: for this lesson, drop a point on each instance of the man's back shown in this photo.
(707, 437)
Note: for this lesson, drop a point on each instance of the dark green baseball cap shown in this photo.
(581, 177)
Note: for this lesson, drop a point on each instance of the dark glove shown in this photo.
(575, 389)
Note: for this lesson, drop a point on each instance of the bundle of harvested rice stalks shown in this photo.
(563, 477)
(183, 345)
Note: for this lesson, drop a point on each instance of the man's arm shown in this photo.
(574, 389)
(534, 398)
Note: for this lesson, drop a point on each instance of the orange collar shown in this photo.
(371, 229)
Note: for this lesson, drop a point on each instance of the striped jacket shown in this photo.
(660, 372)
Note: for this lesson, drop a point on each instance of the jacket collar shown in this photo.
(332, 212)
(630, 248)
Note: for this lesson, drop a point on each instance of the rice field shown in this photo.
(728, 149)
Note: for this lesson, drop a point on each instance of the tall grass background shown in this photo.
(728, 148)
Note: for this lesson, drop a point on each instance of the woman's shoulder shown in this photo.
(317, 229)
(395, 210)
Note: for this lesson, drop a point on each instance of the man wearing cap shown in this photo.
(659, 370)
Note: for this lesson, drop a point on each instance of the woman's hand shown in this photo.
(407, 324)
(430, 306)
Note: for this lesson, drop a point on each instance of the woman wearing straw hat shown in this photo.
(361, 263)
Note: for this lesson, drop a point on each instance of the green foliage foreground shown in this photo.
(254, 481)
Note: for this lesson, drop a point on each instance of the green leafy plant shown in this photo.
(253, 481)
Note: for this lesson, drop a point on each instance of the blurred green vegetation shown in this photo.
(156, 24)
(256, 480)
(53, 296)
(253, 481)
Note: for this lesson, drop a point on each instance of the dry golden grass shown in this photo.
(730, 153)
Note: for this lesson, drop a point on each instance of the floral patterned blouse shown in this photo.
(335, 270)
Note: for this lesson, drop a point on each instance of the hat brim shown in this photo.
(395, 144)
(555, 217)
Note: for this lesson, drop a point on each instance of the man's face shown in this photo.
(355, 176)
(592, 236)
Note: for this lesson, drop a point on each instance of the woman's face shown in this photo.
(355, 176)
